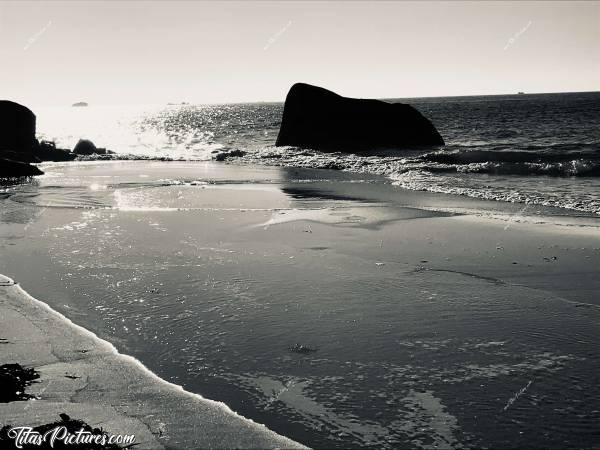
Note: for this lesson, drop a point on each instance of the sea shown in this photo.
(393, 300)
(533, 149)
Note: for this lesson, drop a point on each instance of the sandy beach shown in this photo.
(210, 274)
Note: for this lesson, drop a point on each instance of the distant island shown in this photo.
(80, 104)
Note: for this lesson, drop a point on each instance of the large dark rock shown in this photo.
(9, 168)
(17, 127)
(18, 144)
(17, 140)
(84, 147)
(316, 118)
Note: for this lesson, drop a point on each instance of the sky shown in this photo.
(109, 52)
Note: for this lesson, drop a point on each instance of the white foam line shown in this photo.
(183, 209)
(137, 363)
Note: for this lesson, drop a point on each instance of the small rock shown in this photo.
(232, 153)
(302, 349)
(84, 147)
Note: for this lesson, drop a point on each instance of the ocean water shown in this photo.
(541, 149)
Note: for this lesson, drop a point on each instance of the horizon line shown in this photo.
(245, 102)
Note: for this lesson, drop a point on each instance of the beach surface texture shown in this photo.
(339, 309)
(86, 378)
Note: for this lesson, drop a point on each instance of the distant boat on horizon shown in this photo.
(521, 93)
(80, 104)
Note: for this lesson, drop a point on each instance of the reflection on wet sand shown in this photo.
(422, 326)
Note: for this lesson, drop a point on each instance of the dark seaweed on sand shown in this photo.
(14, 378)
(72, 426)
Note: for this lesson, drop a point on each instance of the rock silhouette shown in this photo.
(47, 151)
(10, 168)
(316, 118)
(17, 127)
(84, 147)
(18, 144)
(17, 140)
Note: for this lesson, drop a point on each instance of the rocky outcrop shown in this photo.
(17, 127)
(17, 140)
(19, 146)
(47, 151)
(222, 156)
(9, 168)
(316, 118)
(84, 147)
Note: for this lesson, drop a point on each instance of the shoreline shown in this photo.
(77, 377)
(428, 200)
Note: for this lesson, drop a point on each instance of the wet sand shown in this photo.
(429, 313)
(86, 378)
